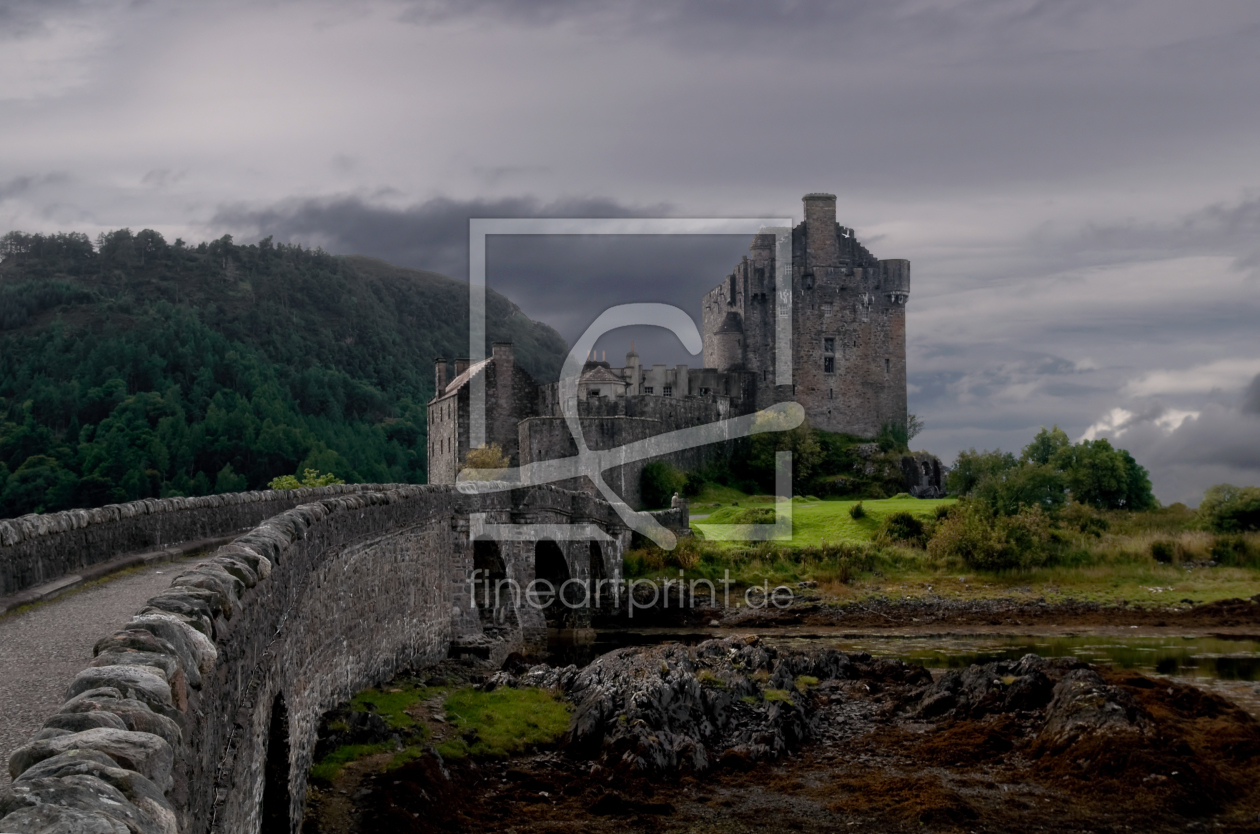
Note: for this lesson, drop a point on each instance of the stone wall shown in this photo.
(549, 438)
(201, 714)
(39, 548)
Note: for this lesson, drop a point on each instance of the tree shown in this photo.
(1045, 445)
(972, 466)
(228, 481)
(914, 426)
(40, 484)
(658, 482)
(772, 436)
(1095, 473)
(1029, 485)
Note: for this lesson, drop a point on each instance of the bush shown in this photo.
(1234, 551)
(902, 528)
(1229, 509)
(658, 483)
(1083, 518)
(857, 511)
(974, 535)
(1164, 551)
(485, 463)
(893, 437)
(310, 478)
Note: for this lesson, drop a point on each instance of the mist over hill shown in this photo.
(138, 368)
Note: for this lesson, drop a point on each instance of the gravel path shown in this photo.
(43, 648)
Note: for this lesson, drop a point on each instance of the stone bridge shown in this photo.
(201, 714)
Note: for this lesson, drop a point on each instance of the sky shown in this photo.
(1076, 182)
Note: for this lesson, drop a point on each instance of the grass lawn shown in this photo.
(816, 522)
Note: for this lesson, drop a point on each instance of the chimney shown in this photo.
(822, 245)
(461, 365)
(504, 359)
(439, 374)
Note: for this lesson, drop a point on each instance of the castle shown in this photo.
(848, 335)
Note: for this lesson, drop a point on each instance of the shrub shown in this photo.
(658, 483)
(1229, 509)
(485, 463)
(893, 437)
(857, 511)
(310, 478)
(1164, 551)
(1083, 518)
(987, 542)
(903, 528)
(1234, 550)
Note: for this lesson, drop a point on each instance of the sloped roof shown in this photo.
(462, 380)
(601, 375)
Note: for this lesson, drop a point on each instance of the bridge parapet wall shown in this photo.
(40, 548)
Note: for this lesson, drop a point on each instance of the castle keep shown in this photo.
(848, 323)
(848, 314)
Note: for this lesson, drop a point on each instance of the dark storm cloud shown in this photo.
(564, 280)
(1219, 445)
(431, 235)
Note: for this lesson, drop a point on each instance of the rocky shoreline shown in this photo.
(732, 734)
(875, 612)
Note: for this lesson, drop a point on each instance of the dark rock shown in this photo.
(1084, 704)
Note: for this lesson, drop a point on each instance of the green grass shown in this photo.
(328, 767)
(497, 724)
(820, 523)
(392, 705)
(777, 695)
(503, 722)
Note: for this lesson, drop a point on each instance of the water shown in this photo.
(1185, 656)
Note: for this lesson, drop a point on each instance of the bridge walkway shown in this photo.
(43, 647)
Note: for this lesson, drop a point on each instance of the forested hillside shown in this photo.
(135, 368)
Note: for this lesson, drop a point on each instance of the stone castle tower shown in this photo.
(848, 314)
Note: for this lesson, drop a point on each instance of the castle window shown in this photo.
(829, 364)
(592, 392)
(887, 367)
(831, 395)
(826, 308)
(829, 345)
(669, 391)
(647, 389)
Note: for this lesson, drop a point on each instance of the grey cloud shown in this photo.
(18, 186)
(1231, 228)
(1251, 397)
(24, 18)
(15, 186)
